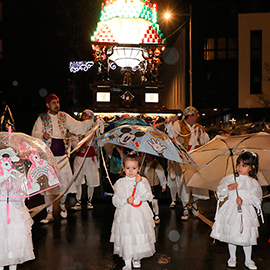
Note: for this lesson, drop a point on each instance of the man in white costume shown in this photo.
(52, 127)
(191, 135)
(89, 173)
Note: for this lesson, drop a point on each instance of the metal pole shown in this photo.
(190, 56)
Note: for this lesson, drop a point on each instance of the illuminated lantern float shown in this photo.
(129, 36)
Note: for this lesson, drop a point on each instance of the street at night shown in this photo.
(173, 95)
(81, 242)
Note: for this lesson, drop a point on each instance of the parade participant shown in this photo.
(51, 127)
(154, 173)
(16, 237)
(89, 172)
(191, 135)
(234, 227)
(133, 232)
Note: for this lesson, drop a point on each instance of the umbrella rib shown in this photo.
(212, 160)
(217, 149)
(242, 142)
(254, 148)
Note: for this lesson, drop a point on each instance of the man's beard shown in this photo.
(55, 110)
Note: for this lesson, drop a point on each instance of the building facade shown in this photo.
(230, 62)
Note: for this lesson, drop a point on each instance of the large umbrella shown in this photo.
(216, 159)
(27, 166)
(127, 121)
(147, 139)
(259, 126)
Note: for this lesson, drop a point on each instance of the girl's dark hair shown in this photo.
(251, 159)
(133, 156)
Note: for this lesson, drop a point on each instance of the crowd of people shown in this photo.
(137, 213)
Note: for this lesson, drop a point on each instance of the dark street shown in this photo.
(81, 242)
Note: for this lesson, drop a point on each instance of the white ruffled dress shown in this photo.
(228, 224)
(15, 237)
(133, 232)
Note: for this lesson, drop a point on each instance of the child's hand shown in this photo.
(138, 178)
(130, 200)
(163, 189)
(232, 186)
(239, 200)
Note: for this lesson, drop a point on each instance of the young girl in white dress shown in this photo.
(15, 237)
(234, 227)
(133, 232)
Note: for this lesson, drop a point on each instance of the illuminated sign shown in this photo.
(151, 97)
(103, 96)
(76, 66)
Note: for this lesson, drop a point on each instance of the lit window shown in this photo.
(152, 97)
(220, 48)
(209, 49)
(103, 96)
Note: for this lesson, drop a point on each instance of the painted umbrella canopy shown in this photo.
(147, 139)
(27, 166)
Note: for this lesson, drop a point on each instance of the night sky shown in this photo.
(39, 39)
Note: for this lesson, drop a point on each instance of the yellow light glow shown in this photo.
(167, 15)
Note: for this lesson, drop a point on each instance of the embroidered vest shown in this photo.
(47, 126)
(184, 130)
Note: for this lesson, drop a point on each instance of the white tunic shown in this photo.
(89, 170)
(133, 227)
(175, 174)
(195, 135)
(16, 238)
(73, 126)
(228, 222)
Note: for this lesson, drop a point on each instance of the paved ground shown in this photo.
(81, 242)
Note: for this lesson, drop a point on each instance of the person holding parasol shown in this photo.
(132, 231)
(236, 221)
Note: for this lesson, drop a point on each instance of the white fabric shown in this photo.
(128, 263)
(159, 171)
(177, 183)
(133, 227)
(155, 207)
(16, 238)
(176, 171)
(89, 169)
(173, 192)
(203, 136)
(175, 175)
(248, 252)
(232, 251)
(169, 129)
(65, 176)
(73, 126)
(228, 221)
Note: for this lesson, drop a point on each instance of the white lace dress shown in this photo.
(228, 221)
(15, 237)
(133, 232)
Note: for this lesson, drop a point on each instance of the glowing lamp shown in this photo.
(127, 28)
(127, 56)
